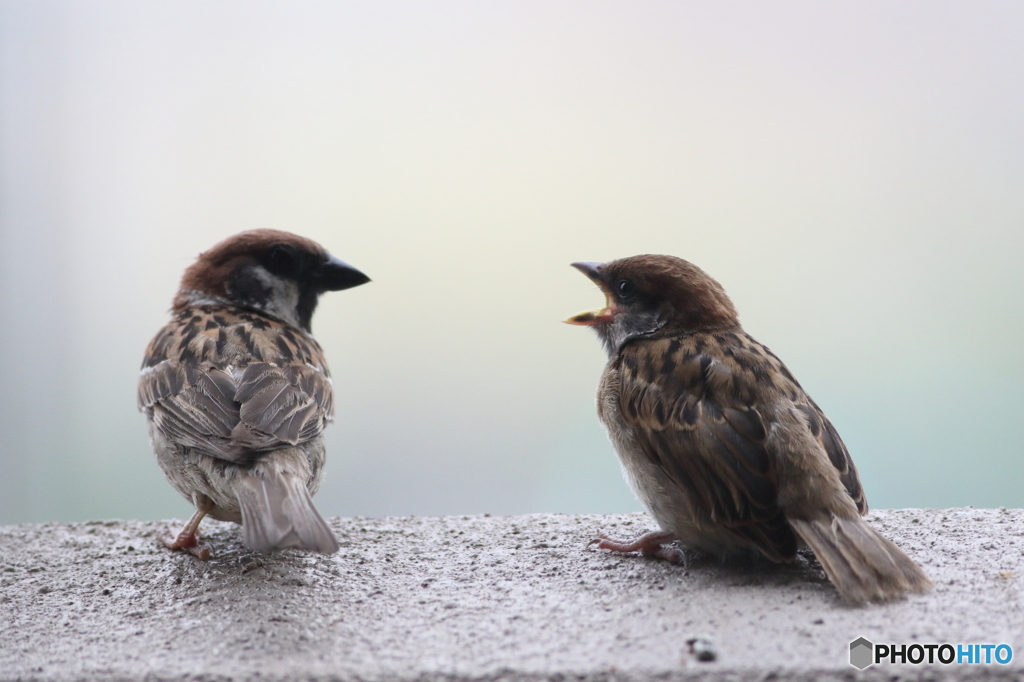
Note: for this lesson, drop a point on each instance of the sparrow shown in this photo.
(237, 392)
(719, 441)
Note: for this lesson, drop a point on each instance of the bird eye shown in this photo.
(282, 260)
(625, 288)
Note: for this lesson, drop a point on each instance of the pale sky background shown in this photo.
(852, 172)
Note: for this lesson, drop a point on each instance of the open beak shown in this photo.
(603, 315)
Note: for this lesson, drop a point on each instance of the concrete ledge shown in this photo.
(481, 598)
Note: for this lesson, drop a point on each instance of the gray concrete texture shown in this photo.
(482, 598)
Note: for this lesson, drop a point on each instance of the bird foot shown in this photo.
(656, 544)
(188, 538)
(189, 542)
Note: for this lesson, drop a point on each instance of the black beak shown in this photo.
(591, 270)
(335, 275)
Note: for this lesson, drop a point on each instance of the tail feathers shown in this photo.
(863, 565)
(278, 513)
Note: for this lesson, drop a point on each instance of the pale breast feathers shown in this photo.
(231, 383)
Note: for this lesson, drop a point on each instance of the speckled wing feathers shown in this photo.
(230, 383)
(280, 405)
(194, 409)
(827, 436)
(701, 408)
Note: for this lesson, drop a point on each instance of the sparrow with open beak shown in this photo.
(719, 441)
(237, 391)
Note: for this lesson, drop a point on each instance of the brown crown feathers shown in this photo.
(229, 272)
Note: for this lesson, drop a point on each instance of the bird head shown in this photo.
(650, 293)
(276, 273)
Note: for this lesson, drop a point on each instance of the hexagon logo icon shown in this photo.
(861, 653)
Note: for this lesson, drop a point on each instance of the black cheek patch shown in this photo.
(246, 288)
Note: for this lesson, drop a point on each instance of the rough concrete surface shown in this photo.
(481, 598)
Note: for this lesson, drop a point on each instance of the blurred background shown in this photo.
(852, 172)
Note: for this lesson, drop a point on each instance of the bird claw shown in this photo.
(674, 555)
(657, 544)
(201, 552)
(188, 538)
(188, 542)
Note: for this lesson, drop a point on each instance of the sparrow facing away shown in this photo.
(237, 391)
(719, 441)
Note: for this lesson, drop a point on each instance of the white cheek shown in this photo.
(284, 296)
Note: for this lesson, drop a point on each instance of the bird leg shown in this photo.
(653, 544)
(188, 538)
